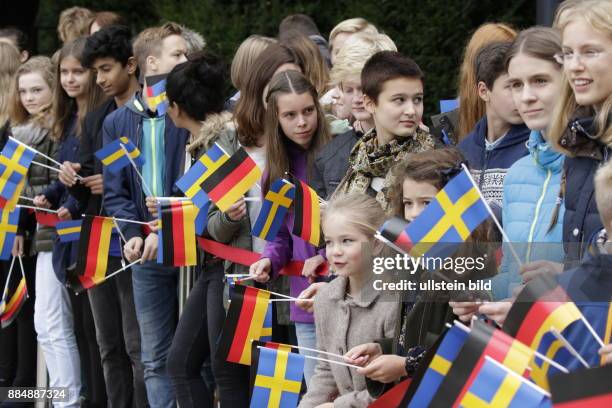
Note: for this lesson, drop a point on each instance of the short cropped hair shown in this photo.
(385, 66)
(300, 23)
(603, 193)
(112, 41)
(73, 23)
(355, 53)
(149, 41)
(491, 62)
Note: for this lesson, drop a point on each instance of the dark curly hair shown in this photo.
(197, 85)
(113, 41)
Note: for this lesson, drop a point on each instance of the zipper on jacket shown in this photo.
(154, 155)
(537, 214)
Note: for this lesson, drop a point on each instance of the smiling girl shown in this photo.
(358, 313)
(295, 128)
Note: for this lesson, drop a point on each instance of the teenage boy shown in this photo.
(108, 53)
(498, 139)
(162, 145)
(332, 162)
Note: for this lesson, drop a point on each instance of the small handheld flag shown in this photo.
(8, 231)
(207, 164)
(14, 296)
(114, 158)
(177, 235)
(231, 180)
(306, 208)
(279, 379)
(276, 203)
(68, 231)
(156, 94)
(48, 219)
(589, 388)
(15, 160)
(245, 321)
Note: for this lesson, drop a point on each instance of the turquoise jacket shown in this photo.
(531, 193)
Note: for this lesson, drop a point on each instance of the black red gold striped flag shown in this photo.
(590, 388)
(307, 224)
(93, 251)
(244, 323)
(14, 296)
(231, 180)
(177, 236)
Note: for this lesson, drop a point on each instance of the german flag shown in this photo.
(394, 230)
(177, 236)
(14, 296)
(307, 211)
(483, 341)
(541, 306)
(8, 231)
(156, 93)
(92, 257)
(590, 388)
(244, 323)
(231, 180)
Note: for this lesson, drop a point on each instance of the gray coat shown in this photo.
(332, 163)
(341, 324)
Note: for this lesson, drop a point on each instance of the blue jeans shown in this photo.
(307, 337)
(156, 301)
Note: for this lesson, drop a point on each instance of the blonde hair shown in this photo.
(360, 210)
(351, 26)
(355, 53)
(603, 193)
(44, 67)
(472, 107)
(598, 14)
(245, 56)
(149, 41)
(9, 63)
(73, 23)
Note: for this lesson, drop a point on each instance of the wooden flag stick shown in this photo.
(591, 330)
(505, 237)
(172, 198)
(313, 350)
(37, 208)
(144, 184)
(326, 360)
(291, 300)
(8, 279)
(123, 268)
(26, 198)
(569, 347)
(21, 265)
(252, 198)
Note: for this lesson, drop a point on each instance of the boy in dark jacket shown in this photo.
(499, 138)
(162, 146)
(109, 53)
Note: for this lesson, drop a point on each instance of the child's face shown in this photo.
(112, 76)
(73, 77)
(353, 97)
(587, 61)
(34, 92)
(415, 197)
(399, 108)
(501, 102)
(297, 115)
(536, 85)
(173, 52)
(344, 245)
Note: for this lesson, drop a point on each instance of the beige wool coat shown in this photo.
(341, 324)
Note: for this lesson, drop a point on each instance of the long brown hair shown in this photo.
(18, 113)
(315, 67)
(250, 110)
(9, 63)
(277, 157)
(471, 107)
(63, 105)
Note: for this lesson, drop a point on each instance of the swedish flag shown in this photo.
(114, 158)
(276, 203)
(278, 380)
(15, 160)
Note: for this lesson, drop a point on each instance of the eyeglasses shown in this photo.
(568, 56)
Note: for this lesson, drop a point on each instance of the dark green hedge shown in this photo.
(433, 32)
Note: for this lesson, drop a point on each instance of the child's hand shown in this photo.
(465, 310)
(17, 246)
(362, 354)
(534, 269)
(63, 214)
(150, 248)
(95, 183)
(606, 353)
(496, 311)
(152, 205)
(308, 293)
(132, 249)
(310, 267)
(41, 201)
(386, 368)
(237, 211)
(68, 173)
(260, 270)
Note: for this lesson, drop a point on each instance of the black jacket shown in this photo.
(332, 163)
(91, 141)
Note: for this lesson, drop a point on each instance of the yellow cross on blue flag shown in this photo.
(15, 160)
(276, 204)
(447, 221)
(278, 380)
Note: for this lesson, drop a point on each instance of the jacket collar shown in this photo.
(580, 137)
(338, 292)
(515, 135)
(543, 153)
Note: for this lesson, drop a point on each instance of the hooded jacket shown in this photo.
(489, 167)
(123, 193)
(531, 194)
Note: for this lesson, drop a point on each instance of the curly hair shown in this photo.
(112, 41)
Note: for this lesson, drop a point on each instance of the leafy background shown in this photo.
(433, 32)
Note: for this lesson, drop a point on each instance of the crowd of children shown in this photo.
(346, 117)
